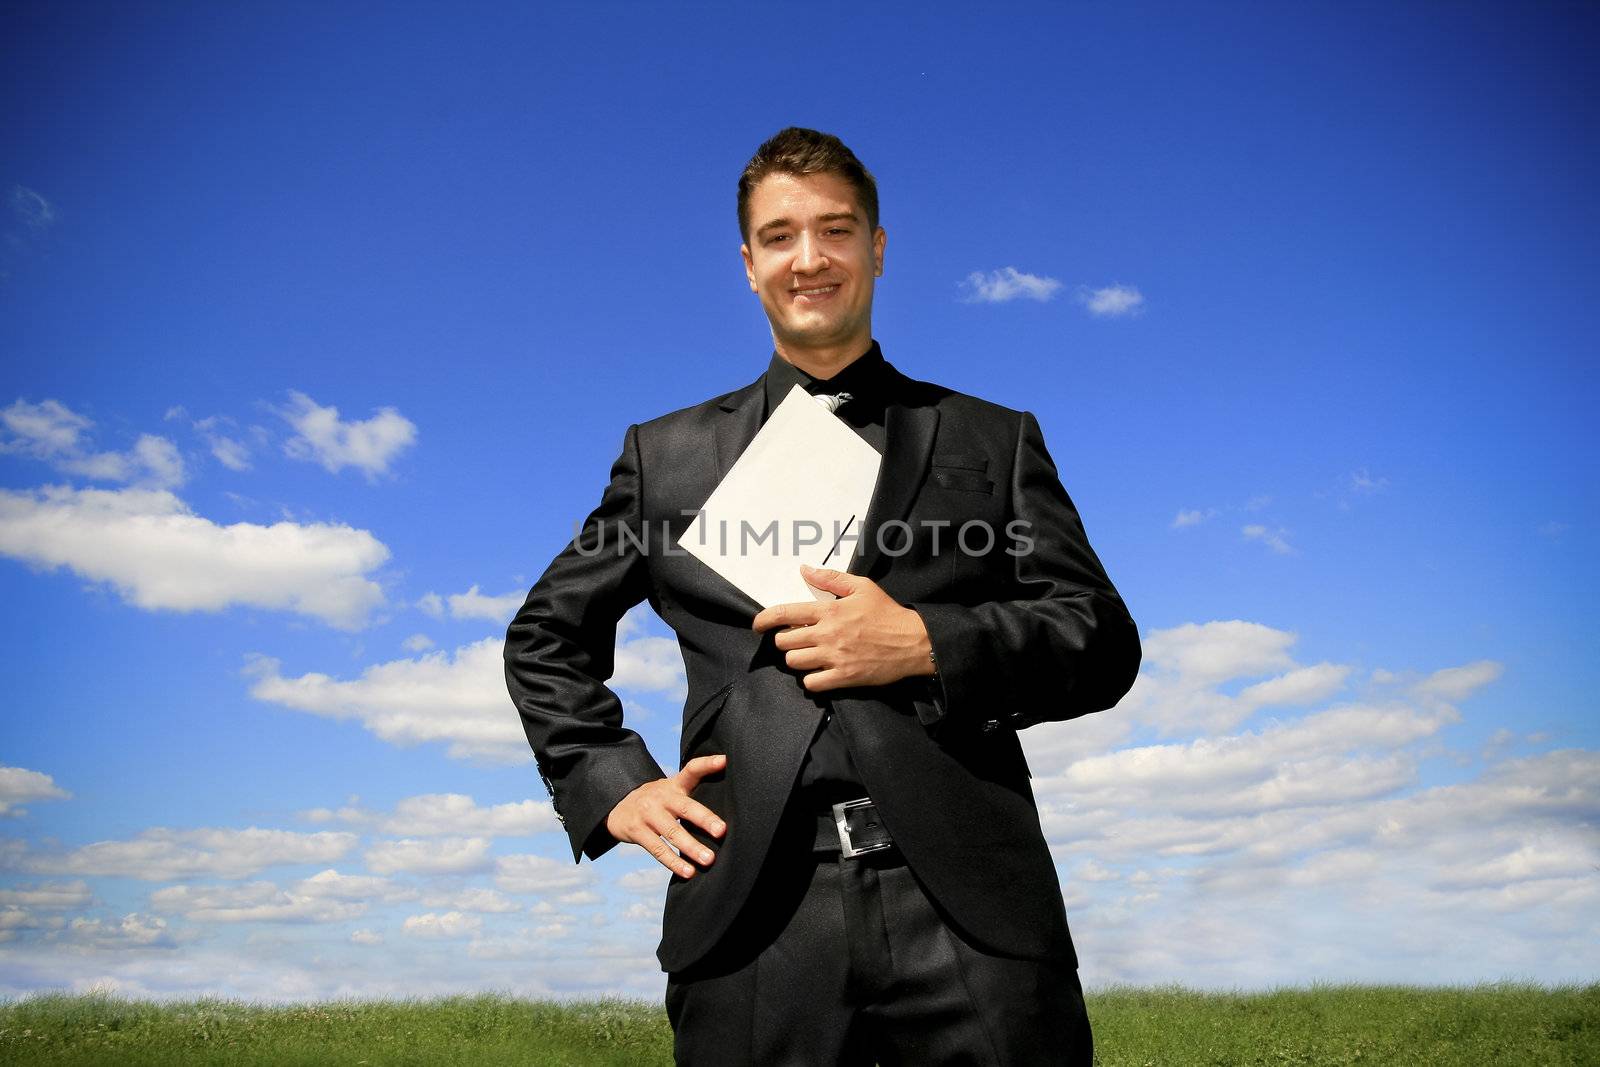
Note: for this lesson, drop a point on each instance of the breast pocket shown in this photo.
(961, 472)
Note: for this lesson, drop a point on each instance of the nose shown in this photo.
(808, 256)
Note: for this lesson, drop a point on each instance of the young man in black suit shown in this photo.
(858, 869)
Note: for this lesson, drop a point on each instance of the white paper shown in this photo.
(798, 494)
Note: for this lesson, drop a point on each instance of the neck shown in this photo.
(825, 361)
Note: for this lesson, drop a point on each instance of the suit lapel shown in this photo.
(909, 430)
(741, 418)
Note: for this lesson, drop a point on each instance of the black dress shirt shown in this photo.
(828, 774)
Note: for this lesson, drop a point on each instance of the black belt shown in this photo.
(853, 828)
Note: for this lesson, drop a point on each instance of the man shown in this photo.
(858, 868)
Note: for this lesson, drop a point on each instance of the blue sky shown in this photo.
(321, 327)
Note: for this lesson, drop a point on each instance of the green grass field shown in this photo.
(1495, 1024)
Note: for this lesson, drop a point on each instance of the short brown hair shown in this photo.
(797, 150)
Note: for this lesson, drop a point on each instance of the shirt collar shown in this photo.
(864, 379)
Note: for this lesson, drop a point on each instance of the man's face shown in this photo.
(811, 259)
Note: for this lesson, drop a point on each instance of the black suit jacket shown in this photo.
(1020, 637)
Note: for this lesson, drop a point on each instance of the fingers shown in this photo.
(821, 681)
(697, 769)
(648, 817)
(664, 855)
(797, 614)
(694, 811)
(669, 831)
(796, 637)
(805, 659)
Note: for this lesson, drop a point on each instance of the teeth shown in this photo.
(814, 292)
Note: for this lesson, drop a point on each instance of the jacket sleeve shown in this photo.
(559, 653)
(1066, 647)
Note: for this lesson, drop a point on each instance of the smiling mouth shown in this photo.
(815, 293)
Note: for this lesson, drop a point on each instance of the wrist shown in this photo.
(920, 661)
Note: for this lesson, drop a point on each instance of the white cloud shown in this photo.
(1458, 683)
(348, 814)
(18, 785)
(643, 663)
(474, 605)
(1305, 685)
(460, 699)
(451, 855)
(641, 912)
(1206, 653)
(47, 895)
(132, 931)
(255, 902)
(1298, 765)
(52, 432)
(43, 430)
(1362, 482)
(650, 664)
(488, 901)
(324, 965)
(161, 459)
(331, 885)
(580, 898)
(452, 924)
(417, 643)
(1310, 845)
(31, 208)
(444, 815)
(1545, 858)
(365, 937)
(1522, 821)
(457, 698)
(1111, 301)
(440, 814)
(1178, 688)
(229, 451)
(160, 854)
(1277, 540)
(1090, 871)
(368, 445)
(14, 920)
(1192, 518)
(1006, 284)
(649, 881)
(527, 944)
(158, 554)
(534, 874)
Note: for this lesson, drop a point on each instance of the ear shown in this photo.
(749, 267)
(879, 238)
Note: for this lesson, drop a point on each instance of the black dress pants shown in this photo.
(845, 961)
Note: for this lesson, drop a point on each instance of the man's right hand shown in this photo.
(649, 816)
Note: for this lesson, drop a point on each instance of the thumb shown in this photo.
(837, 582)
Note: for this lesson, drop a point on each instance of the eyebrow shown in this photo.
(832, 216)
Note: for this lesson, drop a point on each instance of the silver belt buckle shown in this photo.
(841, 821)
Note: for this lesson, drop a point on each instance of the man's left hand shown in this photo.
(862, 638)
